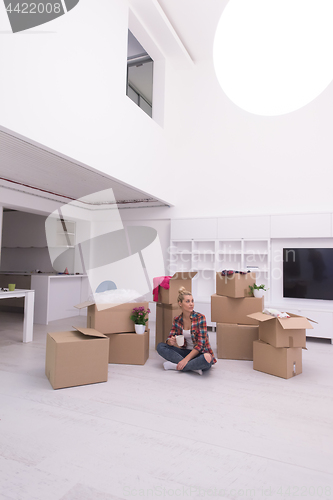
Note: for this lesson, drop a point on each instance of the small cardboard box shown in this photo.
(129, 348)
(77, 357)
(170, 296)
(285, 362)
(235, 285)
(164, 318)
(282, 332)
(236, 341)
(231, 310)
(109, 318)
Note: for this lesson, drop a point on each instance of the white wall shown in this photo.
(63, 85)
(24, 247)
(233, 162)
(162, 227)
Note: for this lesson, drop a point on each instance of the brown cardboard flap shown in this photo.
(259, 316)
(293, 323)
(183, 275)
(90, 332)
(309, 319)
(87, 303)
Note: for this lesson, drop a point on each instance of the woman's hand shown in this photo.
(182, 364)
(172, 341)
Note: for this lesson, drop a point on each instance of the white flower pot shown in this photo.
(258, 293)
(140, 329)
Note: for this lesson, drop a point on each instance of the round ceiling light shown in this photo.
(272, 57)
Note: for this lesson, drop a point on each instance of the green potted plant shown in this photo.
(257, 290)
(140, 317)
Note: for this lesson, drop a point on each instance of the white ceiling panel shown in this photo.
(33, 168)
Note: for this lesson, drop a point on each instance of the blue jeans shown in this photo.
(176, 354)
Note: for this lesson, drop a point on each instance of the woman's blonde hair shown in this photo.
(182, 292)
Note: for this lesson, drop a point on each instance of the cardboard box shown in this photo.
(235, 285)
(77, 357)
(285, 362)
(231, 310)
(129, 348)
(282, 332)
(236, 341)
(170, 296)
(164, 318)
(108, 318)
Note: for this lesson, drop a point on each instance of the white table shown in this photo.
(29, 300)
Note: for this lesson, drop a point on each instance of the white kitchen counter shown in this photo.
(57, 294)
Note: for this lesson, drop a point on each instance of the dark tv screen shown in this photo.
(308, 273)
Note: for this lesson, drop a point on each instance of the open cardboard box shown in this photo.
(76, 357)
(285, 362)
(236, 341)
(282, 332)
(110, 318)
(179, 279)
(235, 285)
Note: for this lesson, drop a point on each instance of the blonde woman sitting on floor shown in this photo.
(196, 354)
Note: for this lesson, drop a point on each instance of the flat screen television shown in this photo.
(308, 273)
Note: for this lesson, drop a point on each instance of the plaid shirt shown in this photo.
(198, 332)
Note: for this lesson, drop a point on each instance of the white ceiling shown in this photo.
(29, 167)
(195, 23)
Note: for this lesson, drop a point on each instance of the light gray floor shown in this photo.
(146, 433)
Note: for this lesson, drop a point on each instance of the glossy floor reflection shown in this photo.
(231, 433)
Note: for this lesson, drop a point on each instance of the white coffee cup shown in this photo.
(180, 339)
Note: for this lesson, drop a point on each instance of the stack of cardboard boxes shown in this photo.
(126, 347)
(81, 356)
(243, 331)
(230, 309)
(279, 348)
(167, 306)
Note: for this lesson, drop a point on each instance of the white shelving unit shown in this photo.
(209, 245)
(65, 233)
(61, 239)
(208, 256)
(256, 257)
